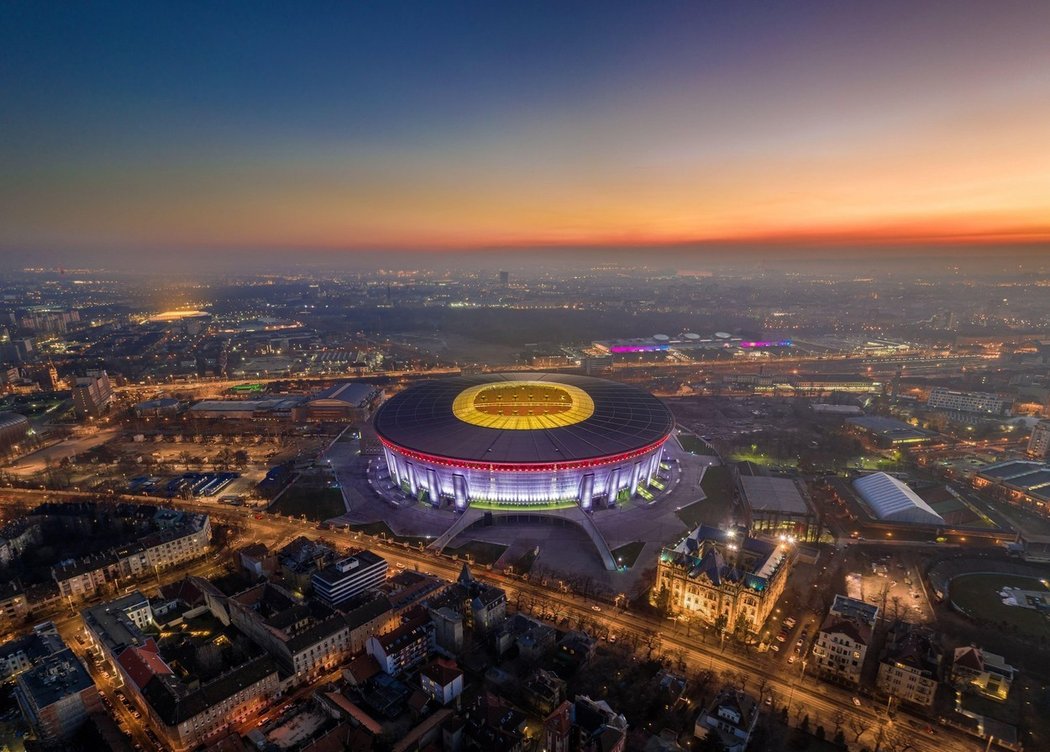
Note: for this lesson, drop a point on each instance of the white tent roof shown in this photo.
(891, 500)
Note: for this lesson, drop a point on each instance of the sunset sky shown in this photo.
(438, 125)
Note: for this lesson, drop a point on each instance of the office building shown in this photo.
(349, 577)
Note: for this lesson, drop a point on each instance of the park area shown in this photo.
(978, 596)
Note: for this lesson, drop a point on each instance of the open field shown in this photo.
(977, 595)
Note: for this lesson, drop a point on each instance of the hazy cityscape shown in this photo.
(420, 397)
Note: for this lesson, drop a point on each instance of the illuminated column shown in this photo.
(435, 490)
(413, 482)
(459, 489)
(654, 464)
(613, 487)
(586, 491)
(636, 473)
(391, 465)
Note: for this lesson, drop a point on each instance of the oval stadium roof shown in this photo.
(623, 419)
(892, 501)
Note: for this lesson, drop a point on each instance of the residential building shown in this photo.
(306, 638)
(908, 667)
(349, 577)
(186, 716)
(14, 608)
(967, 402)
(403, 648)
(56, 696)
(92, 395)
(482, 607)
(1039, 441)
(596, 727)
(300, 559)
(715, 573)
(441, 680)
(984, 672)
(22, 653)
(732, 716)
(843, 640)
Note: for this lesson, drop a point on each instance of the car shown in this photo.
(782, 636)
(596, 608)
(769, 699)
(792, 658)
(800, 643)
(856, 701)
(790, 622)
(399, 565)
(774, 647)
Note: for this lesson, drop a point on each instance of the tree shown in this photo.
(840, 738)
(820, 733)
(858, 726)
(662, 600)
(721, 623)
(741, 625)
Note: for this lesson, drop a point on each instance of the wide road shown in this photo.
(823, 702)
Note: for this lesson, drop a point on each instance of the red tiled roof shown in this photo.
(143, 663)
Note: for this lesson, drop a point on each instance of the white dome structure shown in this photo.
(890, 500)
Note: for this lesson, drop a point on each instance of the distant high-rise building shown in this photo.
(92, 395)
(1039, 442)
(967, 402)
(504, 279)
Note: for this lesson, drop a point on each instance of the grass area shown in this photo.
(524, 564)
(716, 508)
(377, 528)
(694, 514)
(694, 444)
(317, 504)
(627, 554)
(480, 551)
(977, 595)
(503, 506)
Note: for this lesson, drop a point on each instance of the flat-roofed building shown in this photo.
(967, 402)
(349, 577)
(888, 432)
(56, 696)
(776, 506)
(349, 401)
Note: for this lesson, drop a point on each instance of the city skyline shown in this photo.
(140, 131)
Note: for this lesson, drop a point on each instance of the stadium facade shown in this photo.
(523, 440)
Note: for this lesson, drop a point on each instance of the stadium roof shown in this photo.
(624, 419)
(891, 500)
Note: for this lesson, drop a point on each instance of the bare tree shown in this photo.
(858, 726)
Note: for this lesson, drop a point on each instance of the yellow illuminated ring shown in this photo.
(523, 405)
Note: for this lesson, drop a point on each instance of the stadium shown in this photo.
(523, 440)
